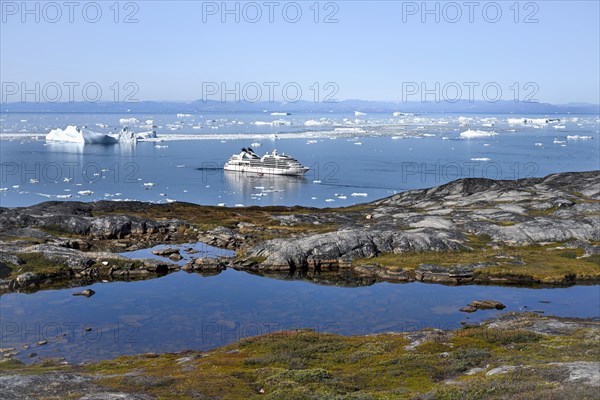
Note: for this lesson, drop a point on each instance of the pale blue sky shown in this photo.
(369, 53)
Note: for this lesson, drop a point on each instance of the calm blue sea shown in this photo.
(352, 159)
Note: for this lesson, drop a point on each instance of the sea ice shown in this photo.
(128, 121)
(312, 122)
(476, 134)
(577, 137)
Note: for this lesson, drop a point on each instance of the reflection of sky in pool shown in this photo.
(187, 311)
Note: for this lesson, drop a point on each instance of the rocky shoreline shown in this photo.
(535, 231)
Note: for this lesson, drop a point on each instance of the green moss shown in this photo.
(306, 364)
(39, 264)
(546, 263)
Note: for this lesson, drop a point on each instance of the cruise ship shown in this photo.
(274, 163)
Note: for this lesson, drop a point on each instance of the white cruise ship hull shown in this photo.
(266, 170)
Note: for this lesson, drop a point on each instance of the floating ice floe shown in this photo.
(556, 141)
(85, 192)
(281, 113)
(316, 181)
(3, 189)
(358, 113)
(180, 115)
(480, 159)
(476, 134)
(312, 122)
(358, 143)
(34, 180)
(63, 196)
(255, 144)
(538, 144)
(149, 184)
(128, 121)
(311, 141)
(359, 195)
(577, 137)
(532, 121)
(221, 204)
(329, 200)
(277, 122)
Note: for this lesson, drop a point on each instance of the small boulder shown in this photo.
(85, 293)
(165, 252)
(26, 279)
(483, 305)
(176, 257)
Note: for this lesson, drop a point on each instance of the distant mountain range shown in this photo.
(200, 106)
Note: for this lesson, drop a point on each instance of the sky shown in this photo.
(371, 50)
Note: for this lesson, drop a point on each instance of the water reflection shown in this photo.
(269, 188)
(188, 311)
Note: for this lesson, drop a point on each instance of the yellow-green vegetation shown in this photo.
(550, 263)
(306, 364)
(37, 263)
(40, 264)
(210, 217)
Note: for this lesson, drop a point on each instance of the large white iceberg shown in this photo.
(72, 134)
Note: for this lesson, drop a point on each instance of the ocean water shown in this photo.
(352, 160)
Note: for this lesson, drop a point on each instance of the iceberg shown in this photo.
(476, 134)
(72, 134)
(358, 113)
